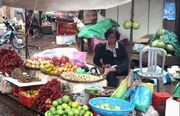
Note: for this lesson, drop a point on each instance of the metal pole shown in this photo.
(131, 33)
(148, 16)
(26, 35)
(117, 16)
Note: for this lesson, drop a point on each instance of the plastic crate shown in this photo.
(159, 101)
(27, 101)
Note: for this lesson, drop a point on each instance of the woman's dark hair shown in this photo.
(112, 31)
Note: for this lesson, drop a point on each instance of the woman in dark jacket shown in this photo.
(112, 57)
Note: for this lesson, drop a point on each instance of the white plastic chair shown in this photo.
(152, 71)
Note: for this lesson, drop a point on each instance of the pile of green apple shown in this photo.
(128, 24)
(160, 44)
(65, 107)
(108, 107)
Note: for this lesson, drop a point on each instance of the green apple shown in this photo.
(55, 103)
(59, 112)
(59, 107)
(136, 25)
(161, 44)
(161, 32)
(76, 111)
(60, 101)
(65, 99)
(127, 24)
(85, 107)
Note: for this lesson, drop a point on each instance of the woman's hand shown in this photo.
(107, 71)
(106, 66)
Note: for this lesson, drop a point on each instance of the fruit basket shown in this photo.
(81, 78)
(32, 68)
(28, 101)
(107, 92)
(45, 72)
(125, 107)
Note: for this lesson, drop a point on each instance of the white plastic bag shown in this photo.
(150, 112)
(5, 86)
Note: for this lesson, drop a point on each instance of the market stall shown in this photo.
(57, 70)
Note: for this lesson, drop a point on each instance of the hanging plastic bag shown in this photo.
(141, 97)
(80, 58)
(121, 90)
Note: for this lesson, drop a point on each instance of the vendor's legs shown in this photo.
(112, 80)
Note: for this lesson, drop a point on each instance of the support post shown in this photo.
(131, 33)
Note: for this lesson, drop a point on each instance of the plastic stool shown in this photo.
(159, 100)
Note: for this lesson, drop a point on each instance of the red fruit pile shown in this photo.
(52, 90)
(60, 61)
(9, 60)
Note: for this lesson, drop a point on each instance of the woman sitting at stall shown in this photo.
(112, 57)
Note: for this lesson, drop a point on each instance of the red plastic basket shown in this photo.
(17, 89)
(159, 101)
(27, 101)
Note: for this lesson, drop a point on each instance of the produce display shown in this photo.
(54, 70)
(166, 40)
(108, 107)
(60, 61)
(18, 74)
(84, 78)
(64, 64)
(36, 63)
(50, 69)
(65, 107)
(53, 66)
(9, 60)
(52, 90)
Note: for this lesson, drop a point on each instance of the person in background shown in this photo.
(112, 57)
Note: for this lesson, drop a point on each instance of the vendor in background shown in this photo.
(112, 57)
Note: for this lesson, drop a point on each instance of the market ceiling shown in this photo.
(64, 5)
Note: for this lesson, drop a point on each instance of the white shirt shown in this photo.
(113, 50)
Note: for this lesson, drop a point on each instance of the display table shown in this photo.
(76, 88)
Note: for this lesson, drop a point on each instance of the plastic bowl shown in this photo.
(126, 106)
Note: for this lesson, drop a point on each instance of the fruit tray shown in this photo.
(19, 84)
(31, 68)
(75, 80)
(107, 92)
(49, 73)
